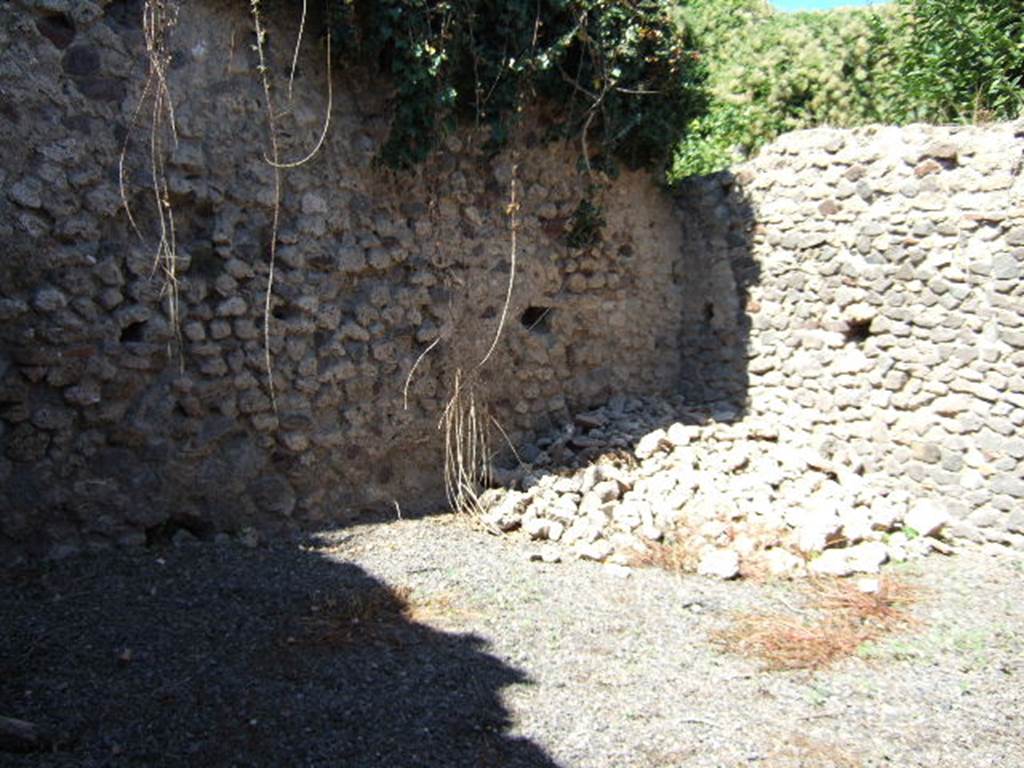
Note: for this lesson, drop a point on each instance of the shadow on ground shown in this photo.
(213, 654)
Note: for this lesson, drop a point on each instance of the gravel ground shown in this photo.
(219, 654)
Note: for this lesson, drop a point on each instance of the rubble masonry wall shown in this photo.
(878, 309)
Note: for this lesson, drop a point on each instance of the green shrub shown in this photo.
(770, 73)
(916, 60)
(959, 60)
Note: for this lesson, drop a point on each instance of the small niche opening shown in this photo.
(133, 332)
(163, 534)
(857, 331)
(709, 312)
(536, 319)
(58, 29)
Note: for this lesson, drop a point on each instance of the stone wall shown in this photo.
(111, 428)
(858, 289)
(864, 292)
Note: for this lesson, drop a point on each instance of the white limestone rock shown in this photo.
(598, 551)
(503, 509)
(927, 517)
(832, 562)
(782, 562)
(679, 435)
(867, 557)
(719, 563)
(651, 443)
(541, 528)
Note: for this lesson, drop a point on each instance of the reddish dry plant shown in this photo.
(886, 607)
(841, 618)
(677, 555)
(782, 642)
(800, 751)
(371, 614)
(354, 616)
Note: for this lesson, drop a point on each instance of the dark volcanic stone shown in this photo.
(58, 29)
(81, 61)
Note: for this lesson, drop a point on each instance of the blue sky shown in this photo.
(819, 5)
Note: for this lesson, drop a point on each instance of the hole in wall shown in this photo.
(857, 331)
(162, 534)
(133, 332)
(536, 319)
(321, 338)
(82, 61)
(9, 112)
(709, 312)
(58, 29)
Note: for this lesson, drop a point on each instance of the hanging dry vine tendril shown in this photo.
(511, 211)
(466, 454)
(330, 101)
(467, 459)
(158, 19)
(295, 52)
(275, 163)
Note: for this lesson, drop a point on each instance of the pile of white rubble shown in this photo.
(644, 479)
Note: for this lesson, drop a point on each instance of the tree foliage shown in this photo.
(771, 72)
(915, 60)
(959, 60)
(619, 76)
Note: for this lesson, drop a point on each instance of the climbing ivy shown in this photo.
(586, 224)
(616, 75)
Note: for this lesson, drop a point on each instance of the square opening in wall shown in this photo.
(537, 319)
(857, 331)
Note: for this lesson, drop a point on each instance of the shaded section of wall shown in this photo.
(716, 273)
(112, 429)
(885, 327)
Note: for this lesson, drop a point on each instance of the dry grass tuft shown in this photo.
(356, 615)
(441, 608)
(841, 618)
(803, 752)
(678, 554)
(783, 642)
(886, 608)
(371, 614)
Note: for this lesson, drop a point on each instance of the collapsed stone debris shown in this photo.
(731, 495)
